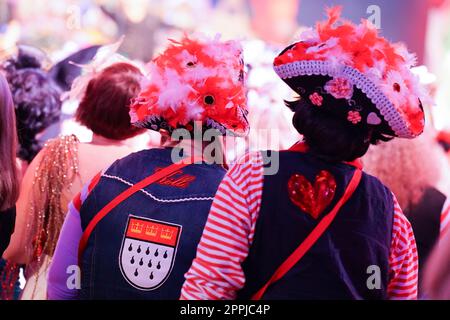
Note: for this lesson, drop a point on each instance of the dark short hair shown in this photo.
(331, 138)
(105, 105)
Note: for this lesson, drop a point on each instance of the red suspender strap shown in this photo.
(126, 194)
(304, 247)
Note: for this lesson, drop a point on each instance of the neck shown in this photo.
(301, 146)
(100, 140)
(192, 147)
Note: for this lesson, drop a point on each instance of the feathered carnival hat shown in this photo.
(194, 80)
(354, 73)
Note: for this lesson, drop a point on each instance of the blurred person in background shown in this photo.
(64, 165)
(37, 105)
(143, 244)
(9, 178)
(436, 280)
(36, 99)
(418, 174)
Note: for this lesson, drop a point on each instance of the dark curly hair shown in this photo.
(329, 137)
(36, 98)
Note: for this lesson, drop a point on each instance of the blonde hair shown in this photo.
(409, 167)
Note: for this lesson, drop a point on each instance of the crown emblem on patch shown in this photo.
(166, 234)
(151, 231)
(136, 227)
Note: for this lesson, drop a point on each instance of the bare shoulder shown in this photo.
(95, 158)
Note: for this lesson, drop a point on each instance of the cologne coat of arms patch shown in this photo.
(148, 252)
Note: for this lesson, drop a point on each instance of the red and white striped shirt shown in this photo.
(445, 219)
(216, 272)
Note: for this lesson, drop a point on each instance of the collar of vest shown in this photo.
(301, 146)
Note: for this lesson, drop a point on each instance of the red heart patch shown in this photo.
(312, 199)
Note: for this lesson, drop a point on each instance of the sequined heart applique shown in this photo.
(312, 199)
(373, 119)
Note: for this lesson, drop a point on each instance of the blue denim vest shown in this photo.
(144, 246)
(338, 264)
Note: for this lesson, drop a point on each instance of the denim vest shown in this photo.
(145, 245)
(340, 263)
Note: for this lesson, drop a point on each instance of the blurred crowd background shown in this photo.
(64, 27)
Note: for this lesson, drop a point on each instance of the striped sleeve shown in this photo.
(403, 260)
(445, 219)
(216, 272)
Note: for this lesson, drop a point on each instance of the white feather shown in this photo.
(200, 72)
(175, 92)
(193, 111)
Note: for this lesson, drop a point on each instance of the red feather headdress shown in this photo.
(197, 79)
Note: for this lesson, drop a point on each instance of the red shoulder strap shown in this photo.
(311, 239)
(126, 194)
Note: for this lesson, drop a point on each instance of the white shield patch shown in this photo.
(148, 252)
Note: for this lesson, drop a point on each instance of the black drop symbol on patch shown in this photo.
(132, 260)
(141, 262)
(158, 266)
(147, 252)
(156, 253)
(136, 273)
(151, 276)
(139, 249)
(149, 263)
(130, 247)
(165, 255)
